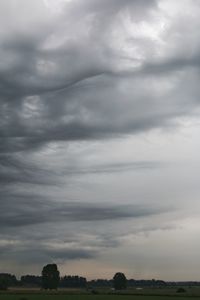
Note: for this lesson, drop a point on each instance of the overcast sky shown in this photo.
(99, 137)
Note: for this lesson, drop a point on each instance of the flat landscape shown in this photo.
(91, 297)
(102, 294)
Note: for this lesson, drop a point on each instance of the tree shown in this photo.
(7, 280)
(50, 277)
(180, 290)
(3, 284)
(119, 281)
(31, 280)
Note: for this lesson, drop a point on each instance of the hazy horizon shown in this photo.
(99, 130)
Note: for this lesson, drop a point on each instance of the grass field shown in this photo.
(91, 297)
(81, 294)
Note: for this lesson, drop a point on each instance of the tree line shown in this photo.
(50, 279)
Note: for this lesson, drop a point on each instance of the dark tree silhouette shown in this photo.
(7, 280)
(119, 281)
(3, 284)
(31, 280)
(73, 282)
(50, 277)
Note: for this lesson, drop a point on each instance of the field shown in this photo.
(92, 297)
(132, 294)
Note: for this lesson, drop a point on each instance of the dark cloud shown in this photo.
(82, 72)
(15, 169)
(22, 211)
(22, 169)
(62, 94)
(43, 254)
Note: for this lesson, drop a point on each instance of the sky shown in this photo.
(99, 137)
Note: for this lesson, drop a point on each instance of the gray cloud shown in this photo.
(41, 254)
(15, 170)
(116, 167)
(74, 76)
(61, 94)
(22, 211)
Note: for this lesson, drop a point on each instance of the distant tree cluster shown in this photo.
(98, 283)
(73, 282)
(146, 283)
(7, 280)
(50, 279)
(31, 281)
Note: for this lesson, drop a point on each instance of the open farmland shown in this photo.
(101, 294)
(90, 297)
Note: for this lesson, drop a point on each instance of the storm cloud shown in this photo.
(99, 108)
(32, 211)
(55, 85)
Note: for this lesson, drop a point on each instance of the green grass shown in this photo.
(104, 294)
(90, 297)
